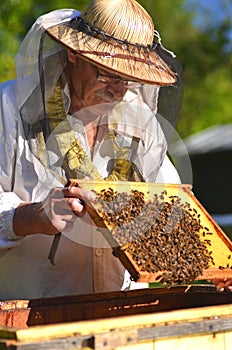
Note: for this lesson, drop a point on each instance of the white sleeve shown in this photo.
(168, 173)
(8, 202)
(8, 144)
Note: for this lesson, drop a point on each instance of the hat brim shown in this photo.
(128, 61)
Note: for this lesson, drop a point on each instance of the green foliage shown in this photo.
(17, 16)
(206, 57)
(205, 53)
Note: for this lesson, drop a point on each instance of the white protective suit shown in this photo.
(83, 263)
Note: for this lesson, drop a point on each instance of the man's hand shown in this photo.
(223, 285)
(55, 214)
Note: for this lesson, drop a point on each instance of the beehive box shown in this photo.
(29, 313)
(199, 328)
(160, 232)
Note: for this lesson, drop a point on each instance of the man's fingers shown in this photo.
(220, 287)
(68, 207)
(76, 192)
(228, 285)
(223, 285)
(68, 226)
(77, 206)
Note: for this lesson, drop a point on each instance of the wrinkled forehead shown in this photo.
(92, 68)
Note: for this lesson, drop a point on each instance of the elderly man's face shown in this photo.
(90, 86)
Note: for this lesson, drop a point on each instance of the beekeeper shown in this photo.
(84, 104)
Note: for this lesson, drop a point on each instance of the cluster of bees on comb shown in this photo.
(161, 234)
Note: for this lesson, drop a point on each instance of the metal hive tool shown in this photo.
(218, 245)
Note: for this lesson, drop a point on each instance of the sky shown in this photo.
(216, 10)
(211, 13)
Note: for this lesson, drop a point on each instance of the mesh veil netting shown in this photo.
(40, 63)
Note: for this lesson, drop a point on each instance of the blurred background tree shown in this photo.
(202, 46)
(202, 43)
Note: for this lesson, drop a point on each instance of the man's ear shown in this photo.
(71, 56)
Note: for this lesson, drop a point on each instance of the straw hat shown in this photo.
(116, 35)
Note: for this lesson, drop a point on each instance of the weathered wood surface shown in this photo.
(26, 313)
(211, 326)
